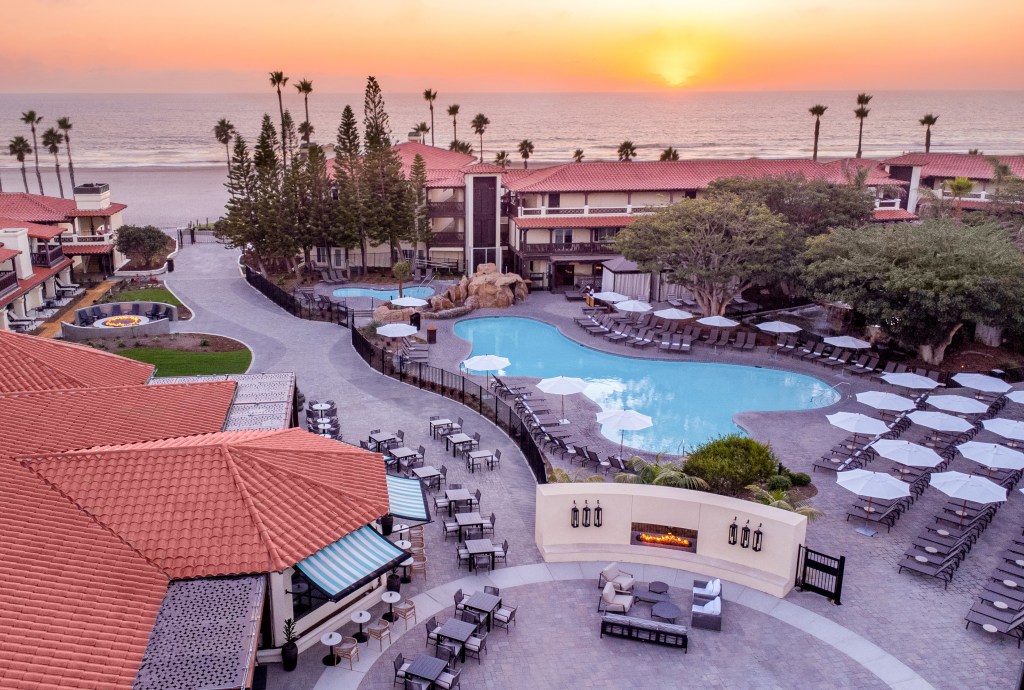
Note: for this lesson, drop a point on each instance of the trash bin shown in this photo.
(431, 335)
(415, 319)
(170, 265)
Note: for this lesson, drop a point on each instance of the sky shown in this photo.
(114, 46)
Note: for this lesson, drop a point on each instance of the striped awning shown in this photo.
(351, 562)
(408, 500)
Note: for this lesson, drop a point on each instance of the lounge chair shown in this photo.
(611, 600)
(741, 340)
(620, 580)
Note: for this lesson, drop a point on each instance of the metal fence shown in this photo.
(459, 388)
(303, 308)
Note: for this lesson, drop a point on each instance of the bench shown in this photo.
(644, 630)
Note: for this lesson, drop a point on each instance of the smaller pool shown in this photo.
(421, 292)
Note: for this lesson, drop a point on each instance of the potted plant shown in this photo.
(387, 523)
(289, 650)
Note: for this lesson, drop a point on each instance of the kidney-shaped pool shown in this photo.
(690, 402)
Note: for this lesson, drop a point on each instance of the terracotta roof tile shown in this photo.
(8, 253)
(975, 167)
(108, 211)
(31, 363)
(224, 504)
(482, 169)
(38, 208)
(128, 414)
(39, 274)
(593, 221)
(435, 157)
(42, 232)
(884, 215)
(83, 249)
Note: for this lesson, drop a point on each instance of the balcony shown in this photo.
(446, 209)
(628, 209)
(98, 238)
(48, 256)
(564, 248)
(8, 282)
(973, 196)
(887, 203)
(448, 239)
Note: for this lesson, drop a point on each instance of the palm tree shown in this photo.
(669, 154)
(861, 113)
(52, 139)
(577, 156)
(479, 125)
(525, 149)
(305, 87)
(660, 474)
(958, 189)
(64, 125)
(461, 147)
(784, 500)
(503, 159)
(277, 80)
(430, 96)
(928, 120)
(224, 132)
(453, 113)
(421, 128)
(19, 148)
(817, 111)
(627, 151)
(30, 119)
(559, 476)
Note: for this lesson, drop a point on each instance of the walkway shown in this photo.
(51, 329)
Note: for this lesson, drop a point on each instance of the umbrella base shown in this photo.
(866, 531)
(563, 421)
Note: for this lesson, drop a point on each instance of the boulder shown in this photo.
(486, 269)
(383, 314)
(473, 302)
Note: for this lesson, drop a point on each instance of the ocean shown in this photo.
(158, 152)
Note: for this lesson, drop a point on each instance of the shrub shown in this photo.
(779, 482)
(730, 463)
(204, 343)
(800, 479)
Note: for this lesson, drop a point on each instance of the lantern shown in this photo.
(586, 514)
(745, 535)
(598, 514)
(575, 515)
(758, 537)
(733, 532)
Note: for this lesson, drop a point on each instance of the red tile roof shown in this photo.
(40, 208)
(482, 169)
(31, 363)
(42, 232)
(975, 167)
(436, 158)
(8, 253)
(886, 215)
(83, 249)
(39, 274)
(615, 176)
(108, 211)
(77, 603)
(528, 222)
(224, 504)
(101, 416)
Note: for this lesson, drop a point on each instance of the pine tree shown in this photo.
(239, 227)
(421, 231)
(290, 136)
(348, 230)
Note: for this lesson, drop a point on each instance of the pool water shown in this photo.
(689, 402)
(420, 291)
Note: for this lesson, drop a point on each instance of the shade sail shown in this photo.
(351, 562)
(407, 499)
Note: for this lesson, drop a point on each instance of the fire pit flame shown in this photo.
(664, 539)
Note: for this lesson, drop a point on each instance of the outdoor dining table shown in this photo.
(380, 439)
(436, 425)
(468, 520)
(401, 454)
(478, 455)
(390, 598)
(459, 631)
(456, 496)
(427, 667)
(453, 441)
(475, 546)
(323, 420)
(329, 640)
(428, 473)
(323, 426)
(320, 407)
(484, 603)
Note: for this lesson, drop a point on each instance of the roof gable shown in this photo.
(972, 166)
(31, 363)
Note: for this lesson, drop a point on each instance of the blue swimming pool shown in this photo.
(421, 292)
(690, 402)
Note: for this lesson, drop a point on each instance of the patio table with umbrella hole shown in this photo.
(562, 386)
(623, 421)
(872, 485)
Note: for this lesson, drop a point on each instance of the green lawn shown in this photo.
(180, 363)
(148, 295)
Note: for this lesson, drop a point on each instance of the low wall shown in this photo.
(77, 333)
(771, 570)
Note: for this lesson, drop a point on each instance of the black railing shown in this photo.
(8, 281)
(448, 239)
(567, 248)
(459, 388)
(304, 306)
(446, 209)
(820, 573)
(48, 256)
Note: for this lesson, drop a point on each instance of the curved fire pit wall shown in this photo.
(77, 332)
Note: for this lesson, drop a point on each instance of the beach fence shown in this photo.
(194, 233)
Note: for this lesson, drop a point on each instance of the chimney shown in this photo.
(92, 196)
(416, 137)
(17, 238)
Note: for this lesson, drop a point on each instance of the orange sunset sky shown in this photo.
(523, 45)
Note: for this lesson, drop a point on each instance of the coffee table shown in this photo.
(666, 610)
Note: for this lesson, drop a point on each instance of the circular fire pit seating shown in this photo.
(101, 321)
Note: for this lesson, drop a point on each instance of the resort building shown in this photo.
(932, 171)
(135, 537)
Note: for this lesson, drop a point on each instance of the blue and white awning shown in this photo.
(351, 562)
(408, 500)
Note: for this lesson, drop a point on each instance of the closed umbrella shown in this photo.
(673, 314)
(623, 421)
(633, 305)
(609, 297)
(981, 382)
(857, 423)
(957, 403)
(940, 421)
(872, 485)
(906, 454)
(1015, 396)
(778, 327)
(847, 342)
(408, 302)
(1007, 428)
(718, 322)
(396, 330)
(992, 455)
(886, 401)
(968, 487)
(908, 380)
(563, 386)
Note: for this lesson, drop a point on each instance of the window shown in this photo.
(322, 255)
(339, 258)
(554, 200)
(563, 236)
(605, 234)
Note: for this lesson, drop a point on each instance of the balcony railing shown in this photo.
(447, 209)
(626, 210)
(76, 238)
(448, 239)
(567, 248)
(973, 196)
(887, 203)
(48, 257)
(8, 281)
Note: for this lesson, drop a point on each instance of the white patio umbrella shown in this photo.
(1007, 428)
(957, 403)
(908, 380)
(981, 382)
(486, 364)
(408, 302)
(673, 314)
(872, 485)
(1016, 396)
(857, 423)
(610, 297)
(778, 327)
(718, 322)
(885, 401)
(396, 330)
(633, 305)
(906, 454)
(623, 421)
(968, 487)
(847, 342)
(992, 455)
(563, 386)
(940, 421)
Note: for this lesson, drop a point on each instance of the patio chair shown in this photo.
(504, 616)
(741, 340)
(837, 360)
(619, 579)
(489, 525)
(751, 341)
(135, 309)
(379, 630)
(495, 459)
(477, 644)
(481, 560)
(461, 555)
(419, 565)
(401, 666)
(474, 502)
(472, 464)
(444, 652)
(449, 681)
(707, 616)
(116, 309)
(471, 617)
(450, 528)
(612, 601)
(442, 503)
(442, 478)
(348, 649)
(432, 628)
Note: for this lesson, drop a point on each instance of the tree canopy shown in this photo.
(715, 246)
(730, 463)
(921, 283)
(142, 242)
